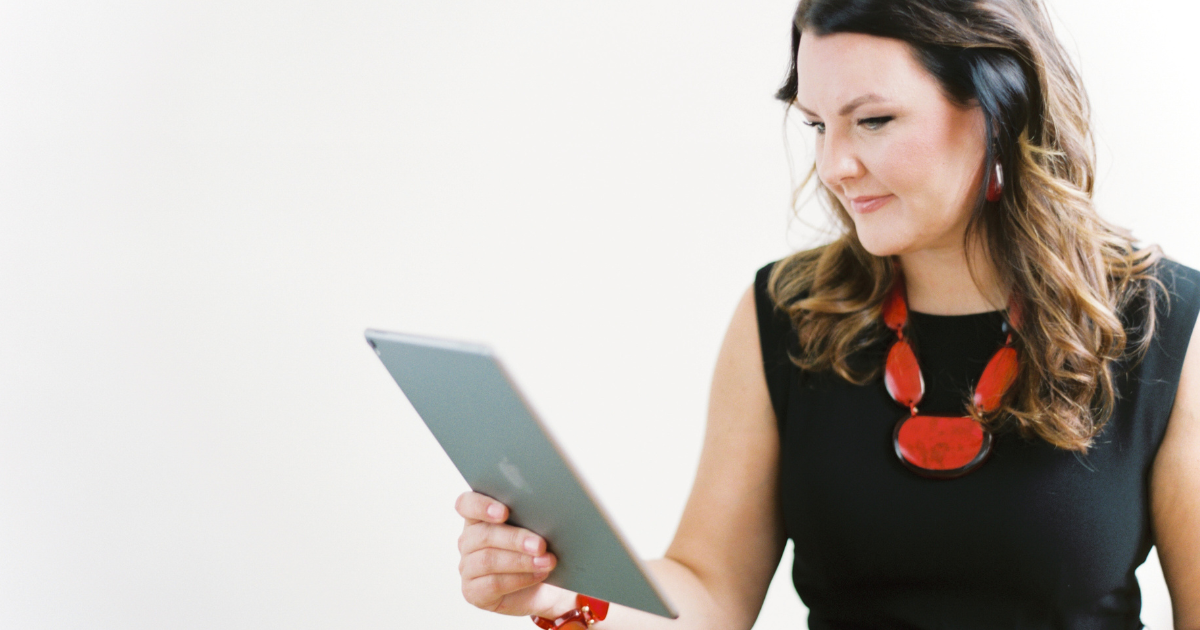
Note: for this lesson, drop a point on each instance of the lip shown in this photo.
(865, 205)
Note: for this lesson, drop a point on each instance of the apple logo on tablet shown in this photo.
(513, 475)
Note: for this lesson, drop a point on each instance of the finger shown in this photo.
(499, 561)
(479, 507)
(489, 590)
(479, 535)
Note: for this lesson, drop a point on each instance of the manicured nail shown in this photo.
(541, 561)
(531, 545)
(495, 510)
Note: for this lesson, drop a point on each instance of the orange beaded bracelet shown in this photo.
(588, 610)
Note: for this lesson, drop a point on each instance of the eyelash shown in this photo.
(873, 124)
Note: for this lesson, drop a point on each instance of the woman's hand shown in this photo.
(503, 566)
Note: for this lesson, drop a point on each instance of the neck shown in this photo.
(939, 282)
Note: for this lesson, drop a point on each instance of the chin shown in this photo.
(880, 243)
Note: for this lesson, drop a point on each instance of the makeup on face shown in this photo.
(903, 161)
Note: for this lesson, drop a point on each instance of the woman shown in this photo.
(974, 287)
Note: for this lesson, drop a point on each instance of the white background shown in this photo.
(203, 204)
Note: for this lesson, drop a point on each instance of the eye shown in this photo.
(819, 126)
(875, 124)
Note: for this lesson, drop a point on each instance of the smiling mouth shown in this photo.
(864, 205)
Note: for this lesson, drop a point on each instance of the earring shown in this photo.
(996, 184)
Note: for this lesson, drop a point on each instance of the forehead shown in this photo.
(834, 69)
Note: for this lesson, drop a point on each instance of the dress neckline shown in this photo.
(984, 314)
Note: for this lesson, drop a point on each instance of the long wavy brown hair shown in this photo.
(1076, 273)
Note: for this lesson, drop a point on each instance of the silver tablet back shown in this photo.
(494, 438)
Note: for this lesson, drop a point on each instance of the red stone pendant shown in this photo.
(1000, 372)
(902, 375)
(941, 447)
(895, 308)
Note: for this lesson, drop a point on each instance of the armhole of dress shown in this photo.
(773, 329)
(1177, 319)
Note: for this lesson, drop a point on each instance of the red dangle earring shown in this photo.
(941, 447)
(995, 184)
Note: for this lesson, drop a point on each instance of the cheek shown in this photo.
(931, 173)
(906, 165)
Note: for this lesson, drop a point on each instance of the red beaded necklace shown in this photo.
(942, 447)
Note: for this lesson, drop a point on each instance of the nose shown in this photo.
(837, 161)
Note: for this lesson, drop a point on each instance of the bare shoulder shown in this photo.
(1175, 493)
(740, 361)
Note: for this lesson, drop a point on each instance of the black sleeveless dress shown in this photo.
(1036, 538)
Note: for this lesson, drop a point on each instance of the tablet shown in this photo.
(503, 450)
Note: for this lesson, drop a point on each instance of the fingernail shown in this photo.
(541, 561)
(495, 510)
(531, 545)
(540, 575)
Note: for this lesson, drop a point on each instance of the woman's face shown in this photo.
(905, 161)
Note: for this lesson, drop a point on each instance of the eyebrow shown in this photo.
(849, 107)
